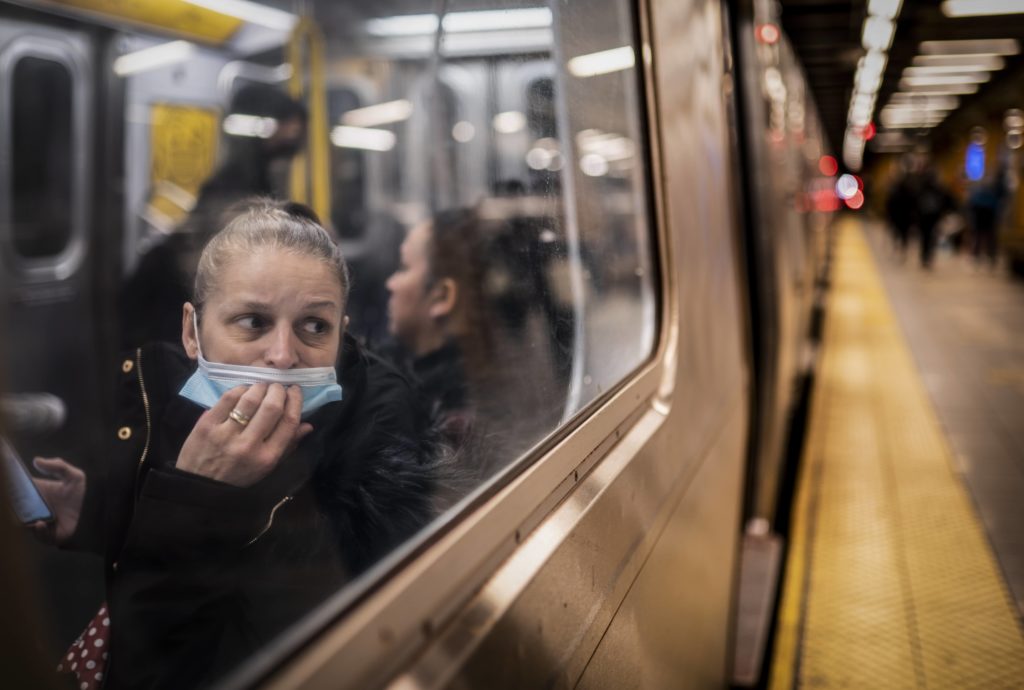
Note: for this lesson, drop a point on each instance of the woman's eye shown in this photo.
(251, 322)
(315, 327)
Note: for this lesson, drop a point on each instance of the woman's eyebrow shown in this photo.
(324, 304)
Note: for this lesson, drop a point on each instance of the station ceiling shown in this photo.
(826, 35)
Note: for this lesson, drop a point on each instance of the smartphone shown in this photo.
(25, 499)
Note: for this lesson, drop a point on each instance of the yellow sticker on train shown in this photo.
(183, 153)
(180, 17)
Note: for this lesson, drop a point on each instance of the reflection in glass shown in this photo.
(484, 177)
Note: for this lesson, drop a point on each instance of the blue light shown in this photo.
(974, 165)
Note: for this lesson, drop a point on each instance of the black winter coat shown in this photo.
(200, 574)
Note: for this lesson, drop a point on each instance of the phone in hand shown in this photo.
(22, 493)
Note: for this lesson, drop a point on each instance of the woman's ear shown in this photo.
(444, 297)
(189, 337)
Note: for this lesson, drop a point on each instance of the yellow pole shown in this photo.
(310, 173)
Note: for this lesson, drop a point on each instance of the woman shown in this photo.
(228, 511)
(437, 314)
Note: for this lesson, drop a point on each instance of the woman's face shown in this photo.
(270, 308)
(408, 303)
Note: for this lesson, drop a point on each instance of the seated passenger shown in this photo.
(242, 492)
(437, 315)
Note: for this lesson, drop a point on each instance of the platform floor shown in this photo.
(891, 578)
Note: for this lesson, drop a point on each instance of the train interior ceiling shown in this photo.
(590, 242)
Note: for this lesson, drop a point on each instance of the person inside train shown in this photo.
(152, 295)
(254, 468)
(438, 316)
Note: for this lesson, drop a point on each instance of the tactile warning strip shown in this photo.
(890, 581)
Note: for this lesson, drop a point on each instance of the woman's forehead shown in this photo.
(275, 274)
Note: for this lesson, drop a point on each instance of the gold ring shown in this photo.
(239, 416)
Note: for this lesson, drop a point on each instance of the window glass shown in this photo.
(40, 137)
(265, 426)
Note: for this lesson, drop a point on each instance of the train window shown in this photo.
(484, 175)
(41, 157)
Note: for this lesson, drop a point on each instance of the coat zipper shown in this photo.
(270, 520)
(149, 423)
(149, 429)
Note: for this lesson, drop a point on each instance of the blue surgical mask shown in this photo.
(212, 380)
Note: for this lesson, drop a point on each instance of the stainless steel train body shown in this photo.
(606, 553)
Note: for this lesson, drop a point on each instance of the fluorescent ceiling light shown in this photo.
(905, 122)
(249, 126)
(884, 8)
(252, 12)
(911, 125)
(602, 62)
(868, 83)
(509, 122)
(380, 114)
(877, 34)
(977, 8)
(990, 61)
(363, 138)
(404, 25)
(927, 70)
(461, 22)
(152, 58)
(996, 46)
(874, 62)
(941, 89)
(946, 79)
(925, 102)
(494, 20)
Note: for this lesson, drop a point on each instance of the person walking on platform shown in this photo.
(984, 204)
(933, 202)
(900, 209)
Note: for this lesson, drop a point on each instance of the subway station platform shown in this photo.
(906, 559)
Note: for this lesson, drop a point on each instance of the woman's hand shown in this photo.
(222, 448)
(64, 492)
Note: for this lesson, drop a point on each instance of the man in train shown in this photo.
(152, 296)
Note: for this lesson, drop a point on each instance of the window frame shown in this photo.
(65, 263)
(394, 608)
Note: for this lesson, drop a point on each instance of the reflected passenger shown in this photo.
(252, 472)
(437, 314)
(152, 296)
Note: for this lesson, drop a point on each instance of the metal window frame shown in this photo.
(54, 48)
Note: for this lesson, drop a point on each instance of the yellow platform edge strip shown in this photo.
(909, 594)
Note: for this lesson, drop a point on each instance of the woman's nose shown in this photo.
(281, 352)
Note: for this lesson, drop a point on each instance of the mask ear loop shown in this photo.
(195, 327)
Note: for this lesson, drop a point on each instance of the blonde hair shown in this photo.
(262, 223)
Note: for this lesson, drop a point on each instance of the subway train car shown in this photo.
(586, 239)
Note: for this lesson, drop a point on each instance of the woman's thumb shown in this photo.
(55, 468)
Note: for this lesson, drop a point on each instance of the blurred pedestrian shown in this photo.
(984, 205)
(933, 201)
(901, 211)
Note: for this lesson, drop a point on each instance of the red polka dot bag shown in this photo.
(86, 658)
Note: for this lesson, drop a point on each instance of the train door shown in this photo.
(46, 257)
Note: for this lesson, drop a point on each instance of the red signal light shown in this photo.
(828, 166)
(768, 34)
